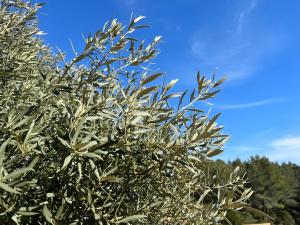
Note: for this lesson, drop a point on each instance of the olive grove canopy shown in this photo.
(97, 139)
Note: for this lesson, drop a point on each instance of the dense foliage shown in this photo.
(276, 190)
(92, 140)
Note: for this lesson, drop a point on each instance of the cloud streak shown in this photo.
(289, 142)
(252, 104)
(244, 14)
(285, 149)
(237, 48)
(243, 148)
(282, 149)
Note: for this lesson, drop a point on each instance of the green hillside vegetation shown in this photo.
(276, 190)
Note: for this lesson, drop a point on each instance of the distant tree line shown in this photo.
(276, 190)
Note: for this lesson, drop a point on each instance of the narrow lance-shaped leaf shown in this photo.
(47, 214)
(78, 129)
(145, 91)
(131, 218)
(2, 150)
(151, 78)
(7, 188)
(169, 86)
(17, 173)
(67, 161)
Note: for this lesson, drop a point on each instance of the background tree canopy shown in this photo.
(276, 190)
(97, 140)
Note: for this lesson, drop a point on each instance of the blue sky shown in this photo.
(255, 43)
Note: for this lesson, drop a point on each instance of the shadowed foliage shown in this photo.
(276, 190)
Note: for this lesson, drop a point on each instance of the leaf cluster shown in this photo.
(96, 139)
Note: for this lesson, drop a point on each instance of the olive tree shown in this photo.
(100, 138)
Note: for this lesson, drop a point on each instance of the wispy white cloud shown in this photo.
(224, 54)
(263, 133)
(236, 74)
(243, 148)
(282, 149)
(285, 149)
(244, 14)
(198, 48)
(169, 25)
(290, 142)
(252, 104)
(237, 48)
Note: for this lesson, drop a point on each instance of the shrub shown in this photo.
(97, 139)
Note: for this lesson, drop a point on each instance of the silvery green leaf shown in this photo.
(67, 161)
(2, 150)
(7, 188)
(131, 218)
(47, 214)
